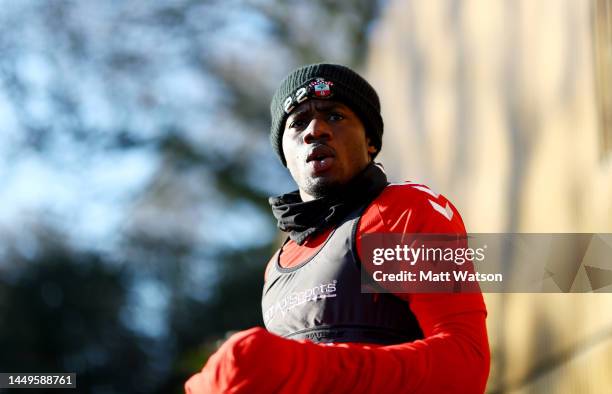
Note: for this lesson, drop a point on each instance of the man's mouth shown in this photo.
(320, 158)
(320, 153)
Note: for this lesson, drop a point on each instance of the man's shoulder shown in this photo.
(416, 202)
(408, 194)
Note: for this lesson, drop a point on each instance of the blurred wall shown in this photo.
(497, 105)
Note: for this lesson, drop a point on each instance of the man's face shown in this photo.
(325, 146)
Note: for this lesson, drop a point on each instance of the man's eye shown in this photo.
(296, 124)
(335, 116)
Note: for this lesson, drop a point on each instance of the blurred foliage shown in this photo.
(62, 313)
(183, 85)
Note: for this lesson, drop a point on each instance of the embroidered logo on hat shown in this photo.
(322, 88)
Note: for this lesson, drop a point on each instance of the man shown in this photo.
(324, 335)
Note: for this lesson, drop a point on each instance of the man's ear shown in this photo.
(371, 148)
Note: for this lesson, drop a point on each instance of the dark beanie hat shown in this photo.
(325, 81)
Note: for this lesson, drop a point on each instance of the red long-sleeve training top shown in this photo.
(453, 357)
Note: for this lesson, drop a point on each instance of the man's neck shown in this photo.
(305, 196)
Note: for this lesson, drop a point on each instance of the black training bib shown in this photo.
(321, 300)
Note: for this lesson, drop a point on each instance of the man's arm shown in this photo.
(453, 357)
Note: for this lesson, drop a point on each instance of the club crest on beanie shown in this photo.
(325, 81)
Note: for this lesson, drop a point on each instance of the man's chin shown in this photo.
(321, 186)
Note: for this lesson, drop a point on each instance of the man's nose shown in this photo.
(317, 129)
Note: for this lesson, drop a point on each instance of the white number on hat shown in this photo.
(287, 105)
(300, 95)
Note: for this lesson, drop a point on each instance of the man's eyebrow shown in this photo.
(299, 112)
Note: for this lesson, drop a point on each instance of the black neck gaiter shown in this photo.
(302, 219)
